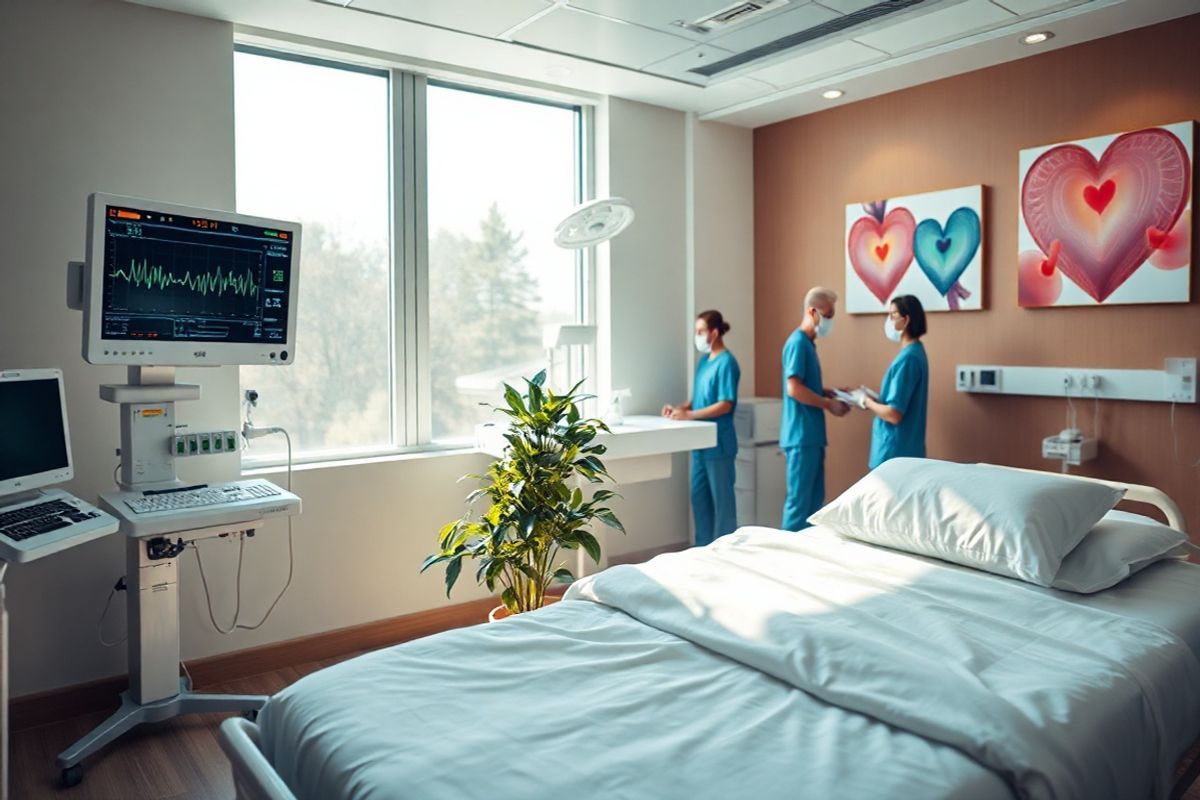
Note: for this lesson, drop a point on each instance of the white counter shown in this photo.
(639, 449)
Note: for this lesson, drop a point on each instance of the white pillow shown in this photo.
(1000, 520)
(1119, 545)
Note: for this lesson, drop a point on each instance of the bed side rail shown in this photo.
(253, 776)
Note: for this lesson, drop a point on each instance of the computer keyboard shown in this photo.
(53, 515)
(198, 498)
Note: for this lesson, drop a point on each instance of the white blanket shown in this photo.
(1060, 700)
(768, 665)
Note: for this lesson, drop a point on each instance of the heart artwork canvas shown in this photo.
(1107, 220)
(929, 245)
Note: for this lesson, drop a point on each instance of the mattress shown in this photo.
(670, 681)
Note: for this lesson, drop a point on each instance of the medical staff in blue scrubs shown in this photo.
(899, 425)
(714, 397)
(805, 403)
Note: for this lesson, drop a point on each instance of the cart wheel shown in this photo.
(251, 714)
(72, 776)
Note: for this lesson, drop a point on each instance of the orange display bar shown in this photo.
(122, 214)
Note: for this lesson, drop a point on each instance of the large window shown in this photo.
(428, 271)
(502, 173)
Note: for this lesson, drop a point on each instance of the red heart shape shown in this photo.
(1100, 252)
(880, 252)
(1099, 198)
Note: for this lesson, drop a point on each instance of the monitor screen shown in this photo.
(32, 435)
(170, 285)
(173, 277)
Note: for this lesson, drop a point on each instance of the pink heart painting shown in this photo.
(1106, 217)
(880, 252)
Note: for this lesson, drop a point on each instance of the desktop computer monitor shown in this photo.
(167, 285)
(35, 448)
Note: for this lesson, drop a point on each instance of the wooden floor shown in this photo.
(179, 758)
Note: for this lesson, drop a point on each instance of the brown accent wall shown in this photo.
(968, 130)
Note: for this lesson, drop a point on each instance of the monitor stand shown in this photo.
(156, 690)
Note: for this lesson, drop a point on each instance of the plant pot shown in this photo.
(500, 612)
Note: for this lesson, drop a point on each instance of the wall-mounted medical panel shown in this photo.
(1174, 383)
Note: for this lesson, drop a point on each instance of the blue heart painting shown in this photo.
(945, 253)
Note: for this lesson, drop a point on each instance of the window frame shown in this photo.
(410, 367)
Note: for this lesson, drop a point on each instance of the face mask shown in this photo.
(824, 325)
(702, 343)
(889, 330)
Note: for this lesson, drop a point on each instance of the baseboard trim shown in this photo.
(55, 705)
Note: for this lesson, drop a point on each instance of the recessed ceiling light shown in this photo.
(1037, 38)
(832, 94)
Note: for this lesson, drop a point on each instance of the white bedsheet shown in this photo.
(915, 680)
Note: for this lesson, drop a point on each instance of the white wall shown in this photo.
(97, 95)
(722, 197)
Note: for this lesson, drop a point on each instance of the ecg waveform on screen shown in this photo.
(144, 276)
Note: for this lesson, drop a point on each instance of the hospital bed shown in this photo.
(767, 665)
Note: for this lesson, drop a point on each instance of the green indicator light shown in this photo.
(179, 447)
(277, 276)
(193, 446)
(205, 445)
(271, 233)
(229, 443)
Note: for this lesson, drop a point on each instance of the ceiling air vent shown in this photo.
(839, 25)
(729, 16)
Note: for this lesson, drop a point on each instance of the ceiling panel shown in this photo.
(657, 13)
(737, 90)
(677, 66)
(484, 17)
(794, 20)
(817, 63)
(575, 33)
(1024, 7)
(945, 24)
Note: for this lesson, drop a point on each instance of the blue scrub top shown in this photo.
(906, 389)
(717, 378)
(802, 425)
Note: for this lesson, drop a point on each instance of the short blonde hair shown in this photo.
(819, 296)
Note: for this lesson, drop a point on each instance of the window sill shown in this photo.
(422, 454)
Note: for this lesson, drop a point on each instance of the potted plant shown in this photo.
(536, 506)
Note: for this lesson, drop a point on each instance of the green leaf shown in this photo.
(563, 575)
(452, 570)
(539, 379)
(576, 498)
(590, 545)
(509, 598)
(431, 560)
(610, 519)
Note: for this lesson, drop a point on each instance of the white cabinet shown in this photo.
(761, 485)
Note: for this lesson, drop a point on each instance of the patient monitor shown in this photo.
(166, 286)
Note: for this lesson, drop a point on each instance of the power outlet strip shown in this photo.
(204, 444)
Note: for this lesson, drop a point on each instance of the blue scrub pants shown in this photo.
(805, 486)
(714, 505)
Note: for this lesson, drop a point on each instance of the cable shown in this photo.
(237, 606)
(291, 553)
(118, 586)
(191, 684)
(241, 558)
